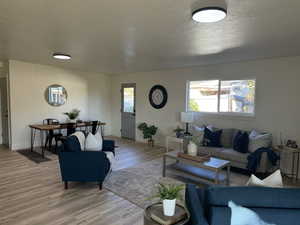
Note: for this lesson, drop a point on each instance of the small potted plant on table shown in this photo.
(168, 194)
(179, 132)
(148, 132)
(73, 115)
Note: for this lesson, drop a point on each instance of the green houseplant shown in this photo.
(168, 194)
(148, 132)
(178, 131)
(73, 115)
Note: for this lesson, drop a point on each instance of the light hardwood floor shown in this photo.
(33, 194)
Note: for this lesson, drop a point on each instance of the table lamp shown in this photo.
(187, 117)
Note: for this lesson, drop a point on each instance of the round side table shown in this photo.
(157, 209)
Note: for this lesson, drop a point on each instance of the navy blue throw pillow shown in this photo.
(241, 142)
(212, 138)
(71, 144)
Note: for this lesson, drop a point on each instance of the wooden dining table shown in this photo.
(44, 128)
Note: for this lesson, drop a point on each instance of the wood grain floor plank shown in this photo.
(33, 194)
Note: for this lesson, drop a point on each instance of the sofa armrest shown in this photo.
(195, 205)
(86, 166)
(108, 146)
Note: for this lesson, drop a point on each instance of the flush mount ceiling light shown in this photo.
(209, 11)
(61, 56)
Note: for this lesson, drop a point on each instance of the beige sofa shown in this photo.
(237, 159)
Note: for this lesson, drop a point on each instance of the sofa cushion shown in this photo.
(232, 155)
(226, 137)
(212, 138)
(93, 142)
(259, 140)
(198, 134)
(81, 138)
(241, 142)
(274, 180)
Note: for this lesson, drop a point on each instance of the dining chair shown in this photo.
(95, 126)
(51, 134)
(71, 128)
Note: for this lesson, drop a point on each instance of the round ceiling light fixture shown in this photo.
(210, 11)
(61, 56)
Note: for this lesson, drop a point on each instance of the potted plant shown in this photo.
(178, 131)
(168, 194)
(73, 115)
(148, 132)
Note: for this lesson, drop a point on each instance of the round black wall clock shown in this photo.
(158, 96)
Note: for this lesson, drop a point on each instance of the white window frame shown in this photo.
(238, 114)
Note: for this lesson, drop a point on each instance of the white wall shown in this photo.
(89, 92)
(3, 74)
(277, 96)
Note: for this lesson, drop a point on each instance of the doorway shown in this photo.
(4, 123)
(128, 98)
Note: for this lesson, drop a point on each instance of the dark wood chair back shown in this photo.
(50, 121)
(95, 126)
(71, 128)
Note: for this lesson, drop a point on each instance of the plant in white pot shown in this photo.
(73, 115)
(192, 147)
(168, 194)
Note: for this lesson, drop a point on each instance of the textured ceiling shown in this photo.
(121, 36)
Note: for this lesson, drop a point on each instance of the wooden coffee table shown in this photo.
(209, 171)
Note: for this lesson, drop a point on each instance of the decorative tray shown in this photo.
(199, 158)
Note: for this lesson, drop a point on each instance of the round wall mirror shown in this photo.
(56, 95)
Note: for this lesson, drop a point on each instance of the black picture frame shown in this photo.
(164, 96)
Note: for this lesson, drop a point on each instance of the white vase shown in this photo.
(192, 149)
(169, 207)
(71, 121)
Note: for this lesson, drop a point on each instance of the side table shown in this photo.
(157, 209)
(170, 139)
(295, 153)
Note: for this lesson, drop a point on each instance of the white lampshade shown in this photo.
(187, 117)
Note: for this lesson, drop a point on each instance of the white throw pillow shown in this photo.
(244, 216)
(274, 180)
(81, 138)
(93, 142)
(198, 134)
(211, 128)
(259, 140)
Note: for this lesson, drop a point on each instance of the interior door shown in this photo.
(128, 111)
(4, 111)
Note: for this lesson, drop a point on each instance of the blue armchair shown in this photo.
(275, 205)
(83, 166)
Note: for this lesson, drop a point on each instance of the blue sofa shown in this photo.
(83, 166)
(280, 206)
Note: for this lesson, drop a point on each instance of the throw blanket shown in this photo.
(254, 158)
